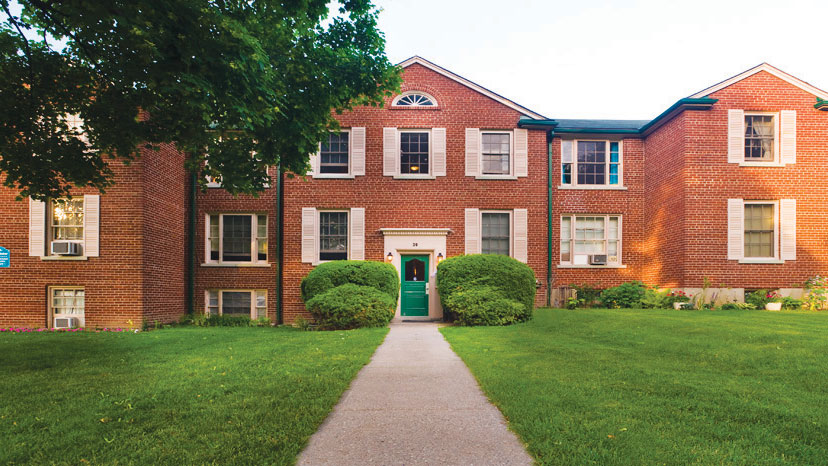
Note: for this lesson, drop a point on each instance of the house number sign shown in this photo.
(414, 245)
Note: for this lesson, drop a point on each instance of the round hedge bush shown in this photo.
(332, 274)
(483, 305)
(351, 306)
(506, 277)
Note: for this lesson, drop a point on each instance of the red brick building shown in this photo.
(726, 185)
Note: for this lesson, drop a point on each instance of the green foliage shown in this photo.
(625, 295)
(510, 278)
(791, 304)
(816, 293)
(737, 307)
(485, 305)
(202, 320)
(328, 275)
(573, 303)
(351, 306)
(654, 299)
(224, 78)
(587, 295)
(758, 298)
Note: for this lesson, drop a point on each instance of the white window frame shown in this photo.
(571, 263)
(606, 185)
(50, 298)
(254, 294)
(395, 102)
(508, 176)
(319, 234)
(50, 235)
(317, 171)
(254, 240)
(421, 176)
(776, 161)
(511, 228)
(777, 246)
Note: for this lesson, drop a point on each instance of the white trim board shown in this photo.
(455, 77)
(770, 69)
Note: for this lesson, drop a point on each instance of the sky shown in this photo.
(604, 59)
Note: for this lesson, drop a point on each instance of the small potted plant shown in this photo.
(679, 299)
(774, 301)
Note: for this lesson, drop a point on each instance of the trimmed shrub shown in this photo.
(501, 277)
(654, 299)
(201, 320)
(625, 295)
(328, 275)
(484, 305)
(351, 306)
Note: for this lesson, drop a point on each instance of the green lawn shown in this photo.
(177, 396)
(659, 387)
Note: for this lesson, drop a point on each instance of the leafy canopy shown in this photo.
(251, 82)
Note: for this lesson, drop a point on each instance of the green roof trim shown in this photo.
(821, 104)
(689, 103)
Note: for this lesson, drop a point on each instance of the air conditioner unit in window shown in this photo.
(66, 248)
(598, 259)
(66, 322)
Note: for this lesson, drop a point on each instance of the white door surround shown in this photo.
(426, 241)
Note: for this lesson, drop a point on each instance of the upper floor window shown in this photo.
(414, 99)
(760, 134)
(333, 154)
(591, 240)
(333, 235)
(237, 238)
(414, 153)
(67, 220)
(496, 153)
(591, 163)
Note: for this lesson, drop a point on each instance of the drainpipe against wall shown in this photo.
(280, 256)
(549, 137)
(191, 246)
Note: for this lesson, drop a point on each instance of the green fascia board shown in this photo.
(597, 131)
(701, 103)
(821, 104)
(536, 124)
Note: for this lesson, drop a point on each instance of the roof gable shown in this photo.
(769, 69)
(471, 85)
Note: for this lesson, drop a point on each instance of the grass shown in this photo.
(659, 387)
(175, 396)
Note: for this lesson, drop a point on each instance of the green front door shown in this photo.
(414, 282)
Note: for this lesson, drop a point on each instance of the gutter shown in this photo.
(190, 294)
(280, 253)
(550, 137)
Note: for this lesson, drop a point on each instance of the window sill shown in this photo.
(761, 164)
(593, 187)
(761, 261)
(64, 258)
(587, 266)
(208, 264)
(495, 177)
(332, 176)
(415, 177)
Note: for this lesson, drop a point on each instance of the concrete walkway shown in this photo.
(414, 403)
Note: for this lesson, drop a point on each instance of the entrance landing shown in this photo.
(414, 403)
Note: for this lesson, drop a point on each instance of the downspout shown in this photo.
(280, 256)
(549, 138)
(191, 256)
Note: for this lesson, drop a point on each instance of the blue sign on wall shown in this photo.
(5, 257)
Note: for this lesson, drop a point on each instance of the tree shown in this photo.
(252, 83)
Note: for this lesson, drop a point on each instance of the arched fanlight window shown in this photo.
(415, 99)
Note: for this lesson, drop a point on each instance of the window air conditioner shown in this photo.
(66, 248)
(598, 259)
(66, 322)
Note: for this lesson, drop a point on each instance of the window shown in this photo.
(759, 138)
(242, 303)
(414, 99)
(67, 302)
(582, 236)
(760, 230)
(333, 154)
(495, 233)
(414, 153)
(237, 238)
(595, 163)
(67, 220)
(333, 236)
(496, 152)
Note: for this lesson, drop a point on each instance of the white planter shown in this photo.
(773, 306)
(679, 306)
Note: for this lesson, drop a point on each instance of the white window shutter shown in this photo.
(472, 151)
(787, 220)
(37, 228)
(521, 152)
(390, 151)
(309, 235)
(207, 238)
(314, 163)
(520, 247)
(735, 136)
(438, 151)
(91, 225)
(472, 231)
(735, 229)
(787, 143)
(358, 151)
(357, 251)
